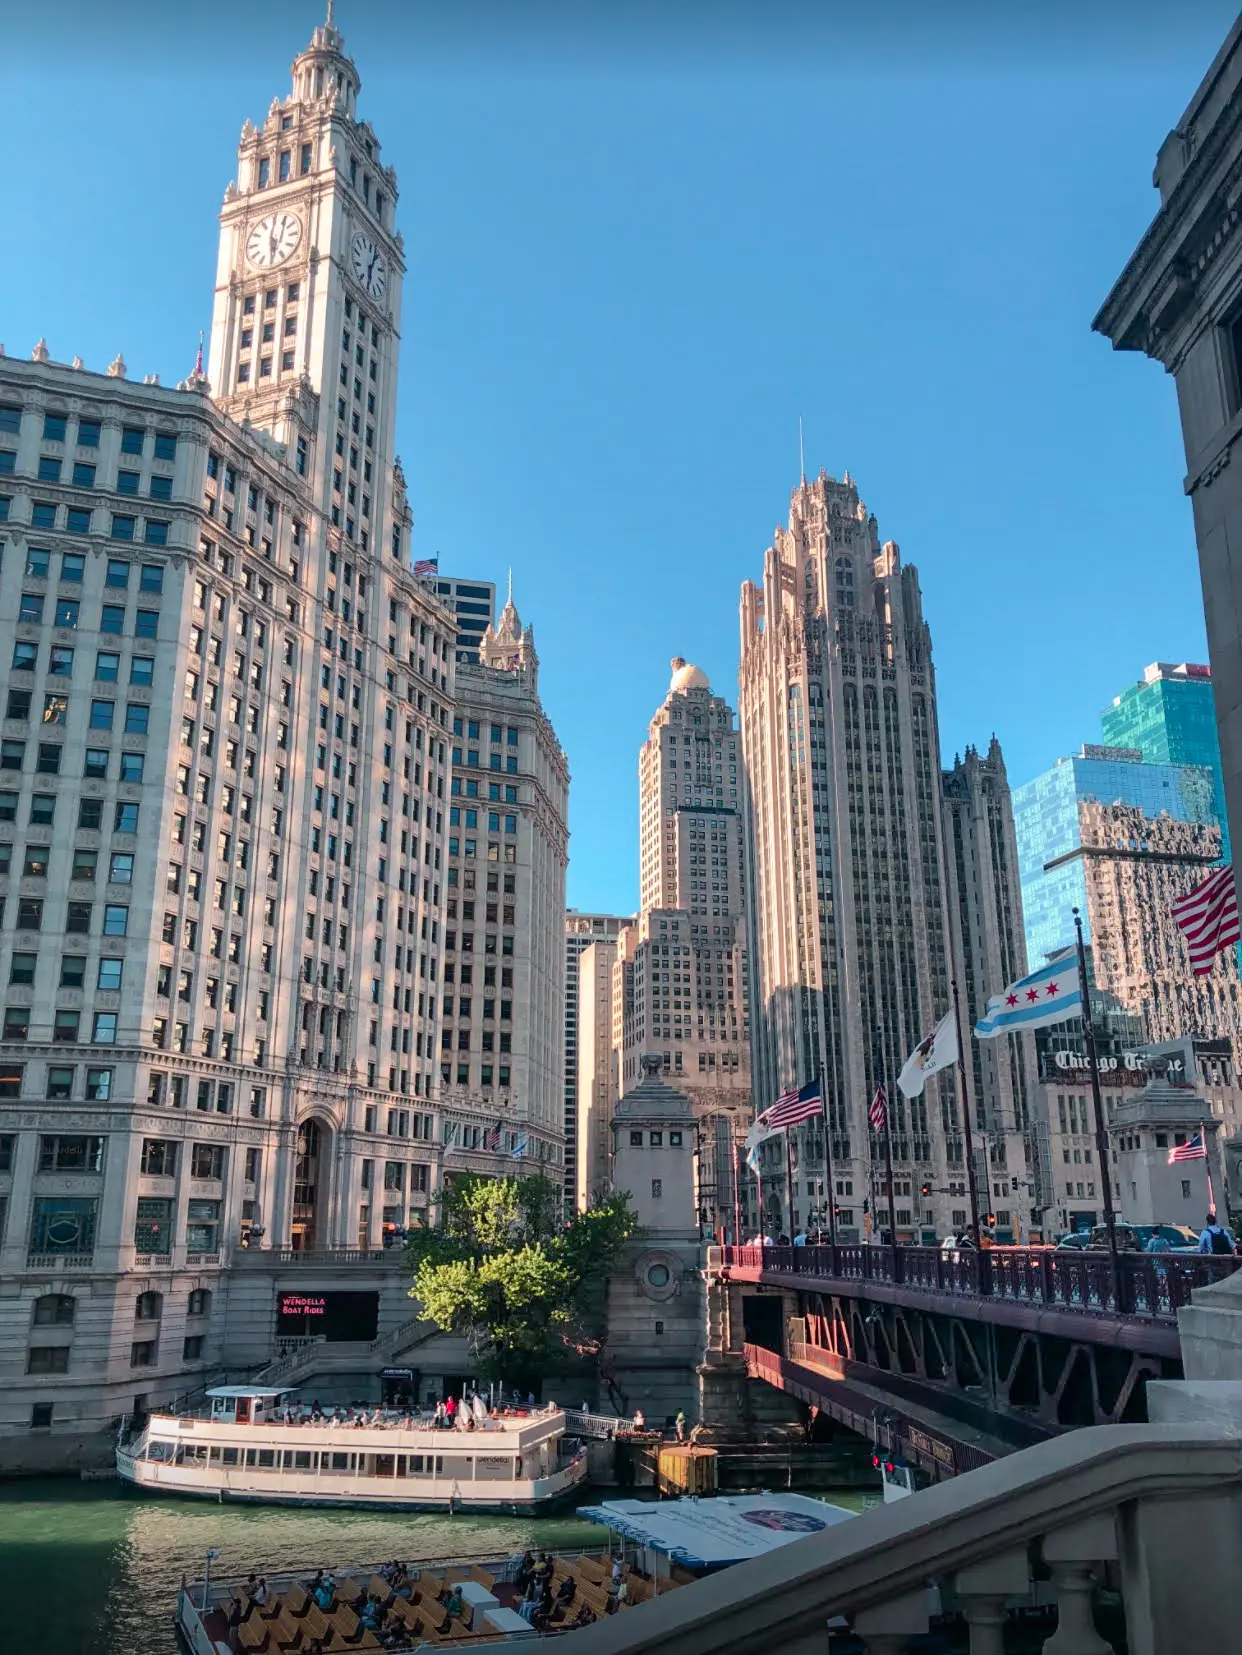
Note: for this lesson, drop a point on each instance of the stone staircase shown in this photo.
(303, 1359)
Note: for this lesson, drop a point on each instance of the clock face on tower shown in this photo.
(369, 264)
(273, 240)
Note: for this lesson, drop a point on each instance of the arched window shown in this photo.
(149, 1307)
(845, 583)
(54, 1310)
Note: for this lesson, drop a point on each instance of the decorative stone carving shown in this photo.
(40, 353)
(116, 368)
(76, 363)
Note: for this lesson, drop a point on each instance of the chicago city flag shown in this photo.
(935, 1051)
(1048, 995)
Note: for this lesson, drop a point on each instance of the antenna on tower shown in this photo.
(198, 360)
(331, 14)
(511, 584)
(801, 452)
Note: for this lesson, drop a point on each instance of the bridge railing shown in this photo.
(1152, 1285)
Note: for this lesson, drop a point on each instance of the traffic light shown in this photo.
(925, 1189)
(990, 1219)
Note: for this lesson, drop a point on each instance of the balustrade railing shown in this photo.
(1153, 1285)
(1149, 1511)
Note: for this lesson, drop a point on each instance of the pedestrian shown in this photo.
(1158, 1242)
(679, 1424)
(1216, 1238)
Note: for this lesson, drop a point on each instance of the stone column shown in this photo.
(888, 1628)
(1070, 1553)
(985, 1588)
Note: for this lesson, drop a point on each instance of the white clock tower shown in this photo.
(308, 292)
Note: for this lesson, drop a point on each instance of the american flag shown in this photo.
(878, 1113)
(792, 1108)
(491, 1139)
(1192, 1151)
(1209, 917)
(426, 566)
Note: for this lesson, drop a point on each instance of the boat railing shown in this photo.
(599, 1427)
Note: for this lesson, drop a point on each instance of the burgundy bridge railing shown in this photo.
(1152, 1285)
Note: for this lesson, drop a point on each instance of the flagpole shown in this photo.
(1207, 1167)
(832, 1193)
(737, 1188)
(789, 1182)
(1101, 1130)
(972, 1182)
(888, 1147)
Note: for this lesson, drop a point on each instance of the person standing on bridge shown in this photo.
(1216, 1238)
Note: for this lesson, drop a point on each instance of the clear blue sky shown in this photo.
(636, 254)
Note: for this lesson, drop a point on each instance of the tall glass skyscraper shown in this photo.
(1058, 836)
(1170, 716)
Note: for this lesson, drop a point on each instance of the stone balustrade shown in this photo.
(1155, 1509)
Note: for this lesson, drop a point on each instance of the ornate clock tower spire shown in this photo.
(308, 288)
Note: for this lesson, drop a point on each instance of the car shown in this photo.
(1075, 1239)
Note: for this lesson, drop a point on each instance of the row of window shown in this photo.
(66, 613)
(78, 917)
(88, 431)
(60, 664)
(56, 711)
(66, 1025)
(46, 514)
(23, 966)
(83, 474)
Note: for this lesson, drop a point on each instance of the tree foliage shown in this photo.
(502, 1267)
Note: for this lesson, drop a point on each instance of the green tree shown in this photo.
(502, 1268)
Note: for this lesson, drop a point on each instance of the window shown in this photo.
(103, 1032)
(120, 870)
(67, 611)
(153, 1216)
(123, 527)
(73, 970)
(30, 914)
(71, 1154)
(83, 475)
(38, 559)
(148, 1307)
(54, 1310)
(127, 482)
(142, 669)
(137, 718)
(131, 439)
(88, 433)
(147, 623)
(98, 1085)
(25, 657)
(112, 619)
(65, 1026)
(161, 488)
(206, 1161)
(125, 820)
(142, 1353)
(54, 427)
(202, 1233)
(199, 1302)
(151, 578)
(22, 968)
(30, 609)
(155, 532)
(165, 445)
(159, 1157)
(192, 1350)
(116, 916)
(132, 767)
(60, 661)
(107, 667)
(47, 1359)
(41, 1416)
(102, 713)
(48, 762)
(117, 573)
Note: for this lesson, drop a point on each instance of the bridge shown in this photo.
(954, 1358)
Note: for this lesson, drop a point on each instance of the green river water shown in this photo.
(91, 1569)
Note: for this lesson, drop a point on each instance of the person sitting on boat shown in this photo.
(565, 1591)
(640, 1420)
(312, 1586)
(585, 1615)
(371, 1614)
(453, 1603)
(622, 1594)
(260, 1593)
(543, 1609)
(323, 1593)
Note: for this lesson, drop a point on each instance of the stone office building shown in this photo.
(224, 794)
(1179, 300)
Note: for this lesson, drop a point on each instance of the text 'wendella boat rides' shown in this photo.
(245, 1447)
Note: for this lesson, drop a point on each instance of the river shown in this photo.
(91, 1569)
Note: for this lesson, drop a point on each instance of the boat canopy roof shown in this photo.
(249, 1390)
(716, 1532)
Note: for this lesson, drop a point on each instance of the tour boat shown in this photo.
(248, 1447)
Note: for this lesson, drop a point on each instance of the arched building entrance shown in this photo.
(311, 1179)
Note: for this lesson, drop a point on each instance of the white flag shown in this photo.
(936, 1051)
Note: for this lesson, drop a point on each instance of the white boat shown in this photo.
(244, 1449)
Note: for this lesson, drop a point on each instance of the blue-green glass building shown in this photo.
(1047, 823)
(1170, 716)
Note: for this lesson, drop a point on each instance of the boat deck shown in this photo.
(411, 1614)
